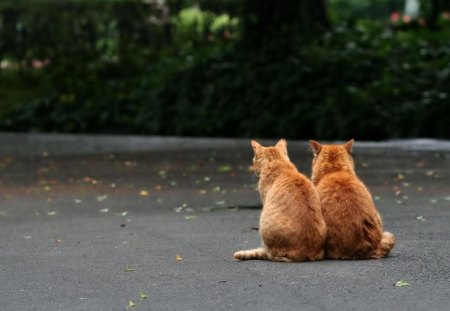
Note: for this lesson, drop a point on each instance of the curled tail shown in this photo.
(387, 243)
(258, 254)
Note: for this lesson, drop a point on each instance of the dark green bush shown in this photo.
(351, 83)
(105, 59)
(367, 81)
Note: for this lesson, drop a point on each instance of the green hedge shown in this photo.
(352, 83)
(367, 82)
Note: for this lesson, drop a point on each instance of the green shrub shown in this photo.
(351, 83)
(366, 81)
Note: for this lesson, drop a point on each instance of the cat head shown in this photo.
(331, 158)
(264, 155)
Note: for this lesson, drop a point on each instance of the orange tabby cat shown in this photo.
(291, 224)
(354, 226)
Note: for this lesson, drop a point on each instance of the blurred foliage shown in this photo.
(364, 9)
(177, 69)
(101, 59)
(365, 82)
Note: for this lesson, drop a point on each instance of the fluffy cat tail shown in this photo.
(387, 243)
(258, 254)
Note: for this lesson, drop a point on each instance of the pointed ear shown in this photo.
(255, 145)
(349, 145)
(315, 146)
(282, 145)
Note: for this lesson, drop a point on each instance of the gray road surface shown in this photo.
(89, 222)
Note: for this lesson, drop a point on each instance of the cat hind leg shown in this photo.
(386, 245)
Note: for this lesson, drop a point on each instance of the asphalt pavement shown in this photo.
(151, 223)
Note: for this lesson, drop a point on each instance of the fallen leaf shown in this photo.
(401, 283)
(51, 213)
(429, 173)
(158, 187)
(190, 217)
(78, 201)
(180, 208)
(143, 295)
(365, 164)
(420, 164)
(400, 176)
(207, 179)
(102, 198)
(421, 218)
(131, 304)
(178, 258)
(124, 213)
(220, 202)
(104, 210)
(143, 193)
(433, 201)
(173, 183)
(90, 180)
(224, 169)
(129, 269)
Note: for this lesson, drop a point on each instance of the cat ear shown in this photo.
(255, 145)
(282, 145)
(315, 146)
(349, 145)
